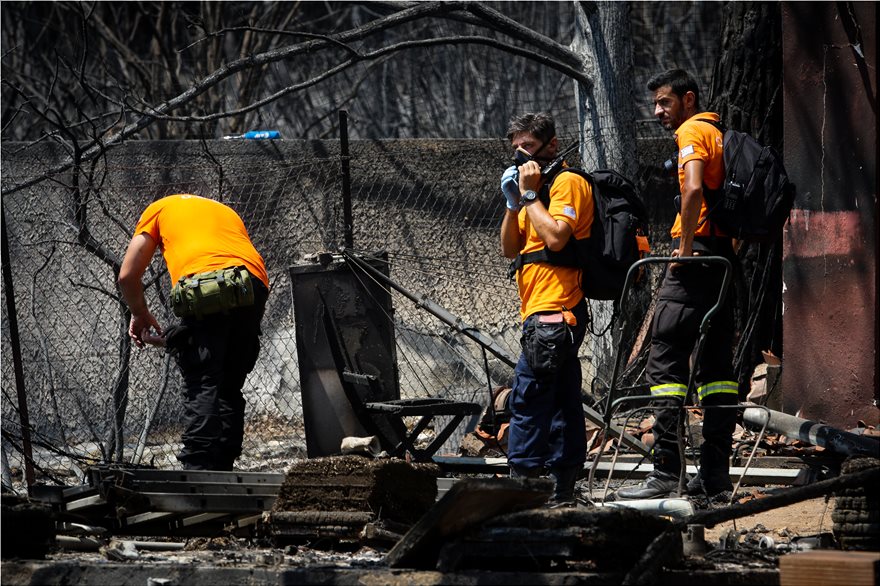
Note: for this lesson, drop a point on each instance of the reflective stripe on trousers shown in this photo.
(669, 390)
(722, 386)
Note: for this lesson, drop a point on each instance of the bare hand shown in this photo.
(677, 253)
(141, 325)
(530, 177)
(153, 338)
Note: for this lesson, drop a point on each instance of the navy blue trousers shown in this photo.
(547, 428)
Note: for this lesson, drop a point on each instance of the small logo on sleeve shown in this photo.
(688, 150)
(570, 212)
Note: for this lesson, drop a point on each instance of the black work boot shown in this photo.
(706, 494)
(710, 483)
(695, 486)
(563, 494)
(656, 485)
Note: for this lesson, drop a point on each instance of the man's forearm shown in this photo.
(137, 258)
(553, 233)
(510, 241)
(691, 203)
(133, 294)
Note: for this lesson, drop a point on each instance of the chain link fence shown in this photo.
(433, 205)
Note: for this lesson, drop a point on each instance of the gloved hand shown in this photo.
(510, 187)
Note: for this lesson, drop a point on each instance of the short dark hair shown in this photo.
(538, 124)
(679, 81)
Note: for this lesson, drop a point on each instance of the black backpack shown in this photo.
(756, 198)
(620, 220)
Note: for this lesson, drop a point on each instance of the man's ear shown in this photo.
(689, 101)
(553, 145)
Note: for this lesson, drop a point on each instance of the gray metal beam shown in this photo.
(632, 470)
(215, 488)
(754, 475)
(207, 503)
(98, 475)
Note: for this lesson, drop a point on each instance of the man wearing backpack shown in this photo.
(687, 293)
(547, 429)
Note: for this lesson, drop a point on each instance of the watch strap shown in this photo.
(530, 196)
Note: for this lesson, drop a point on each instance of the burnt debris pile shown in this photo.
(349, 499)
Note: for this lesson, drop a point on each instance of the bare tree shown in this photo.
(120, 107)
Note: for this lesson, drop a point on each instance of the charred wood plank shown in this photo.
(468, 503)
(320, 517)
(401, 491)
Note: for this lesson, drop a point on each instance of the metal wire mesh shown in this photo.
(433, 205)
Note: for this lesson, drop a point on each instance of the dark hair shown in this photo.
(538, 124)
(679, 81)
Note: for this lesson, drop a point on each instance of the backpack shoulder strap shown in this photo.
(717, 124)
(706, 190)
(587, 176)
(576, 171)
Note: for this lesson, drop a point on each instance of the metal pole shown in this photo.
(346, 179)
(16, 356)
(836, 440)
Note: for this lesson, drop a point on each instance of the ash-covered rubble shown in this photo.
(347, 499)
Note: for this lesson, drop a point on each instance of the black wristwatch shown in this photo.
(528, 197)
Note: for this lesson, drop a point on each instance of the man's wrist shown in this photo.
(529, 197)
(139, 311)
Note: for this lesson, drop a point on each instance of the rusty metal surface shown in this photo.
(830, 248)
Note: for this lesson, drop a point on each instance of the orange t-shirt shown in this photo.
(546, 287)
(196, 235)
(700, 140)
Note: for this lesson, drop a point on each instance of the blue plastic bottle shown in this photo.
(262, 134)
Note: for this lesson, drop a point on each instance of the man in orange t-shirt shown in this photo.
(688, 292)
(214, 352)
(547, 429)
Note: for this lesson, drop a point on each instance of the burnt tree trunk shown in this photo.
(607, 114)
(746, 85)
(746, 91)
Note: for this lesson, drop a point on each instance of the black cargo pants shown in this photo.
(687, 293)
(215, 355)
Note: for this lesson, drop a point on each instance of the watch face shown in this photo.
(530, 195)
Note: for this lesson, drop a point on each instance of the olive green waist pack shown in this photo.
(212, 292)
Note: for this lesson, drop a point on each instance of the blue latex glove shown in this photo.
(510, 187)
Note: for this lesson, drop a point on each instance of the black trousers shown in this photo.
(687, 293)
(215, 355)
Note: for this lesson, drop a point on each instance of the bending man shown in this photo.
(215, 346)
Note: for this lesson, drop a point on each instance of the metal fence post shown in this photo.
(346, 179)
(16, 356)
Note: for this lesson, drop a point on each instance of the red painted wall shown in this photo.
(830, 257)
